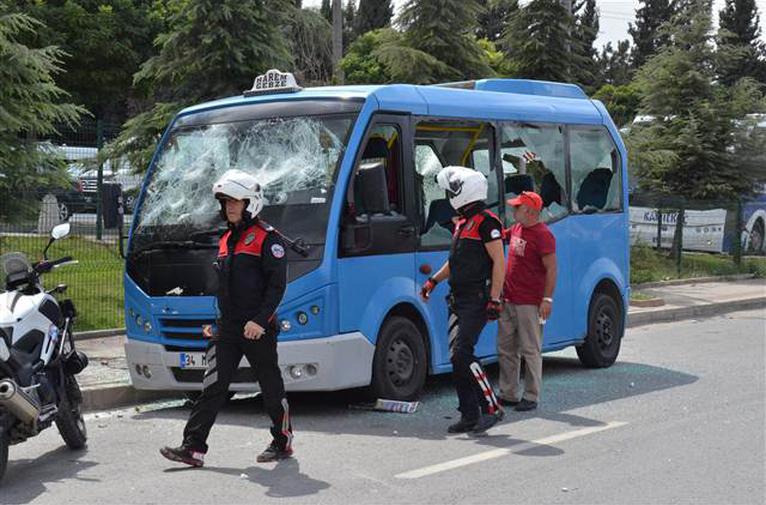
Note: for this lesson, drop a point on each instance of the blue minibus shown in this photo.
(349, 177)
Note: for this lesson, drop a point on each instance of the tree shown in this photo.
(31, 105)
(539, 41)
(383, 56)
(615, 64)
(212, 49)
(585, 35)
(326, 10)
(494, 18)
(741, 51)
(622, 102)
(361, 64)
(496, 59)
(373, 14)
(686, 150)
(646, 36)
(445, 30)
(105, 42)
(349, 17)
(310, 38)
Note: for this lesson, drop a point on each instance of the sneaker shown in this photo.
(183, 455)
(525, 405)
(485, 422)
(508, 403)
(462, 426)
(274, 452)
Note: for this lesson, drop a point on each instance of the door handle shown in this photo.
(406, 230)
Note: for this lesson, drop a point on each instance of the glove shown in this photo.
(428, 286)
(493, 309)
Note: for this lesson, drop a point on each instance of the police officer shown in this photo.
(252, 278)
(475, 270)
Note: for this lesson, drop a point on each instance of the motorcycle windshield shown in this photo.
(14, 263)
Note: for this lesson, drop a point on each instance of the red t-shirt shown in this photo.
(525, 272)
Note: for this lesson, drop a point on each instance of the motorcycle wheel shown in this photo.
(69, 420)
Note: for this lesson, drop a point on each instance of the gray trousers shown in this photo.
(519, 336)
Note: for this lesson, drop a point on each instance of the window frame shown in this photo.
(564, 129)
(494, 164)
(618, 169)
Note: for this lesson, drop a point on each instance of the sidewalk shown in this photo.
(689, 301)
(106, 383)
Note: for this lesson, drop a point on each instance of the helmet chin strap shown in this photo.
(465, 209)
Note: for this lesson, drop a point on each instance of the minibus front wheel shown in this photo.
(605, 330)
(399, 367)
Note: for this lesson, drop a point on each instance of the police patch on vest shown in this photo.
(277, 251)
(249, 239)
(495, 233)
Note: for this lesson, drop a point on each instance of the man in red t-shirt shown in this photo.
(530, 277)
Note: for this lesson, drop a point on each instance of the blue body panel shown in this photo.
(356, 294)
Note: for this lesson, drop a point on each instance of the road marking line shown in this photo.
(498, 453)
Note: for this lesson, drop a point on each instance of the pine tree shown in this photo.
(494, 18)
(213, 49)
(539, 41)
(586, 72)
(105, 43)
(372, 15)
(646, 36)
(383, 56)
(742, 19)
(310, 38)
(615, 64)
(349, 22)
(688, 149)
(31, 105)
(445, 30)
(741, 51)
(326, 10)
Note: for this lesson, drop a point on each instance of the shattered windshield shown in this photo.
(295, 159)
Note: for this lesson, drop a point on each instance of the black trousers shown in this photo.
(223, 358)
(467, 318)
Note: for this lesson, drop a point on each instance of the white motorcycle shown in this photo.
(38, 360)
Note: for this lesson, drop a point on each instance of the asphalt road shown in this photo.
(678, 419)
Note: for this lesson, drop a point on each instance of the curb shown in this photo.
(110, 396)
(89, 335)
(699, 311)
(694, 280)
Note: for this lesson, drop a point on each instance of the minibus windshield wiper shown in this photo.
(173, 244)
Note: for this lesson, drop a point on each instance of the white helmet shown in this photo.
(239, 185)
(462, 185)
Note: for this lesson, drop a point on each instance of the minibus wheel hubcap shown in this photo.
(401, 362)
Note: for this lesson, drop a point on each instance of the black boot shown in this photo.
(274, 452)
(462, 426)
(184, 455)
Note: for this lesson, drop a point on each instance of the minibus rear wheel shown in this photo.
(399, 367)
(605, 330)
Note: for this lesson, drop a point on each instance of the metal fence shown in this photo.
(713, 240)
(96, 198)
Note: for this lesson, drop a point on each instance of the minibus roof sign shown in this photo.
(274, 81)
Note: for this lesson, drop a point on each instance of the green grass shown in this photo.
(94, 285)
(641, 297)
(649, 265)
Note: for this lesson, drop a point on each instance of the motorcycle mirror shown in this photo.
(60, 231)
